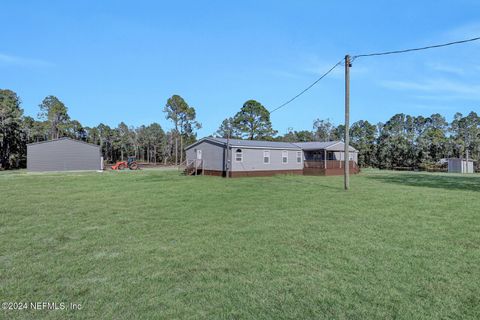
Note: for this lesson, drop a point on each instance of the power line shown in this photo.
(307, 88)
(371, 55)
(415, 49)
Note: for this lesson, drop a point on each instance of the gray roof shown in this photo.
(330, 145)
(256, 143)
(64, 138)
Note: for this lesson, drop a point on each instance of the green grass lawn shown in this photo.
(154, 244)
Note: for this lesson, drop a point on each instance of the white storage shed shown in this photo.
(458, 165)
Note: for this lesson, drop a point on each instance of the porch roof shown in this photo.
(329, 146)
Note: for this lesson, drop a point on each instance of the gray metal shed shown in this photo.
(63, 154)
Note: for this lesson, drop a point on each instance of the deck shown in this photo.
(328, 167)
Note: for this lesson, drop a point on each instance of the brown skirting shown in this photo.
(214, 173)
(256, 173)
(267, 173)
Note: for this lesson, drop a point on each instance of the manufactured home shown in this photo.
(63, 154)
(217, 156)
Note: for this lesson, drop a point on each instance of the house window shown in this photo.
(299, 156)
(284, 157)
(238, 155)
(266, 157)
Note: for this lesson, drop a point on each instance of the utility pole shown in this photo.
(228, 155)
(346, 155)
(466, 147)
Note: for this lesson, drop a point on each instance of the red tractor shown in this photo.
(130, 164)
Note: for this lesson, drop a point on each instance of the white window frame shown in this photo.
(299, 156)
(266, 154)
(237, 153)
(284, 156)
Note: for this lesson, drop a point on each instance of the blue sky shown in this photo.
(112, 61)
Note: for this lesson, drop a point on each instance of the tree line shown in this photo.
(404, 141)
(149, 143)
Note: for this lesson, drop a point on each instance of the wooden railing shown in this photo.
(328, 164)
(190, 167)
